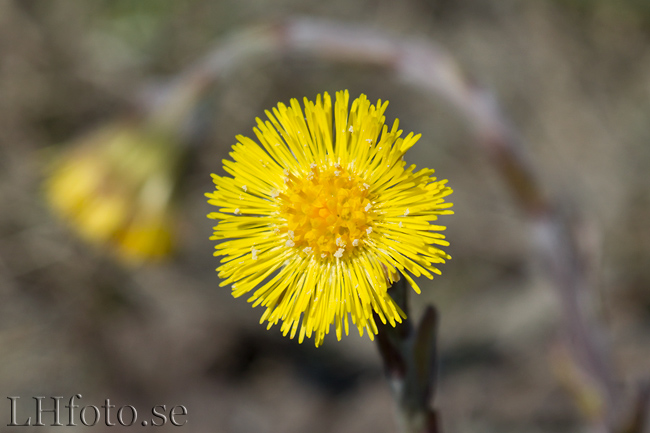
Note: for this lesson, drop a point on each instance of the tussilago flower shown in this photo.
(319, 219)
(114, 187)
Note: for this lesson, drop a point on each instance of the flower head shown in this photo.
(114, 187)
(319, 219)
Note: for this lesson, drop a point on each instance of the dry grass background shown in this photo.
(573, 76)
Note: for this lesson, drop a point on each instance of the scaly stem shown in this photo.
(411, 365)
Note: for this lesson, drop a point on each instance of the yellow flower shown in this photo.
(114, 187)
(321, 218)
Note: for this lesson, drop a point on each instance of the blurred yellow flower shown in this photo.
(321, 218)
(114, 187)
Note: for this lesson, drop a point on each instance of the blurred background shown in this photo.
(573, 76)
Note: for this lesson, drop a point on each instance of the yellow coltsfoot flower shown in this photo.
(319, 219)
(114, 188)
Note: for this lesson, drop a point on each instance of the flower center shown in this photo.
(328, 212)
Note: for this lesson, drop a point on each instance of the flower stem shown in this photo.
(411, 364)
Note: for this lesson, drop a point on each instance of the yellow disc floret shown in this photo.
(328, 211)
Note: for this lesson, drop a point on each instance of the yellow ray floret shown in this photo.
(318, 218)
